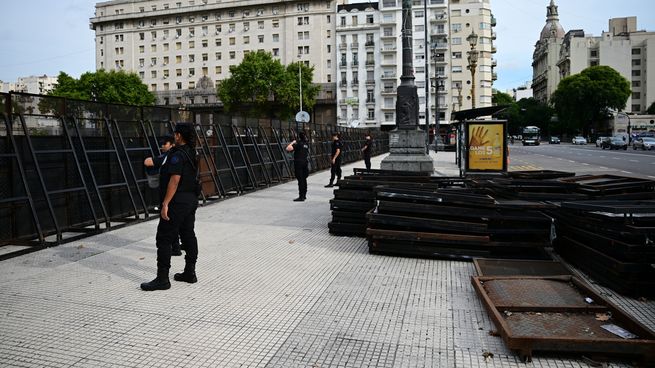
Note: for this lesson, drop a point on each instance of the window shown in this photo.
(303, 21)
(636, 51)
(192, 85)
(456, 27)
(371, 114)
(246, 26)
(142, 62)
(166, 60)
(342, 21)
(178, 45)
(233, 41)
(276, 23)
(484, 25)
(260, 38)
(457, 69)
(142, 75)
(205, 57)
(219, 69)
(192, 72)
(329, 48)
(354, 20)
(302, 7)
(636, 95)
(419, 14)
(457, 55)
(370, 95)
(246, 40)
(178, 33)
(153, 74)
(178, 72)
(328, 19)
(178, 20)
(142, 36)
(636, 108)
(153, 87)
(276, 37)
(165, 47)
(456, 40)
(142, 49)
(166, 73)
(233, 55)
(369, 19)
(636, 83)
(636, 73)
(636, 62)
(165, 34)
(153, 48)
(419, 28)
(192, 32)
(260, 24)
(205, 30)
(178, 59)
(192, 44)
(593, 53)
(218, 42)
(231, 27)
(276, 52)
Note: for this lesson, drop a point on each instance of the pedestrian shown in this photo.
(366, 150)
(157, 164)
(300, 149)
(178, 210)
(335, 159)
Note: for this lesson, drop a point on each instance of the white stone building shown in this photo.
(36, 84)
(379, 25)
(545, 76)
(182, 48)
(627, 50)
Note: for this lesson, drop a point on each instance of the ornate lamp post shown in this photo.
(472, 57)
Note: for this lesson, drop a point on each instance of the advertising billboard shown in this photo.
(487, 149)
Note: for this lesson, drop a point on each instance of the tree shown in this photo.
(261, 85)
(582, 101)
(651, 109)
(501, 98)
(102, 86)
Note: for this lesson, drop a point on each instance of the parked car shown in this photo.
(600, 139)
(579, 140)
(645, 143)
(553, 140)
(614, 143)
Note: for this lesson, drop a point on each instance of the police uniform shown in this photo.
(159, 164)
(367, 153)
(301, 166)
(181, 213)
(335, 168)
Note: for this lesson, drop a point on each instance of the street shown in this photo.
(585, 159)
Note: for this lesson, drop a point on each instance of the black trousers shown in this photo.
(367, 162)
(335, 170)
(302, 172)
(182, 219)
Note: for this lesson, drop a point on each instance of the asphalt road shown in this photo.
(587, 159)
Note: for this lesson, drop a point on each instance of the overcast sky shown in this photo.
(47, 36)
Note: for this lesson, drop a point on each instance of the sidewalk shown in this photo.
(275, 290)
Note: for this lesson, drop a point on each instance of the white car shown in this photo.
(579, 140)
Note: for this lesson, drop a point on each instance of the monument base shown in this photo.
(407, 152)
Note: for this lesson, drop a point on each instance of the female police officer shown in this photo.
(178, 212)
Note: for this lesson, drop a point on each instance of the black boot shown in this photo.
(299, 199)
(329, 185)
(189, 274)
(161, 282)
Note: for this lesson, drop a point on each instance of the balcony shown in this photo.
(493, 35)
(439, 18)
(438, 31)
(493, 49)
(493, 21)
(439, 59)
(370, 82)
(370, 63)
(388, 62)
(354, 83)
(354, 64)
(441, 45)
(388, 49)
(494, 63)
(494, 76)
(343, 46)
(385, 107)
(388, 35)
(342, 65)
(354, 45)
(370, 101)
(343, 84)
(388, 76)
(388, 91)
(369, 44)
(387, 21)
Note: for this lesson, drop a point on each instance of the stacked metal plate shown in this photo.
(355, 195)
(459, 223)
(611, 240)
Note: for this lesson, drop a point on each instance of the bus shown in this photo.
(531, 136)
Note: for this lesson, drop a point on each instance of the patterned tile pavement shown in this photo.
(275, 290)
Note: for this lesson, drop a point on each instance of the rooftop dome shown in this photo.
(552, 29)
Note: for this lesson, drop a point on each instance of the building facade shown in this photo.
(545, 75)
(371, 32)
(182, 49)
(625, 49)
(36, 84)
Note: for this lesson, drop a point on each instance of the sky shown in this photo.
(48, 36)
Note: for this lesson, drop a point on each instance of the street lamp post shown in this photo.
(472, 57)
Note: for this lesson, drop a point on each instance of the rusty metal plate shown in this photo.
(560, 313)
(512, 267)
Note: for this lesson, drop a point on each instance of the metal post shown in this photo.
(436, 112)
(473, 62)
(427, 78)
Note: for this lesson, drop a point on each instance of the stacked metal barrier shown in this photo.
(72, 168)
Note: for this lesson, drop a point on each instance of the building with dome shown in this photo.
(545, 74)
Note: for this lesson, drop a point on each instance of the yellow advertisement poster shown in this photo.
(485, 147)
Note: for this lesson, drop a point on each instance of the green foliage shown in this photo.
(262, 86)
(501, 98)
(582, 100)
(651, 109)
(102, 86)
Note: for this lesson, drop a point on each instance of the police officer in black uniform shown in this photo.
(300, 149)
(366, 150)
(178, 212)
(335, 159)
(156, 164)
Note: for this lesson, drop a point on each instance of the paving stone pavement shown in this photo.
(275, 290)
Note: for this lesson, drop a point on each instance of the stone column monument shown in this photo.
(407, 142)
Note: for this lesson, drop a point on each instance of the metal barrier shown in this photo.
(72, 168)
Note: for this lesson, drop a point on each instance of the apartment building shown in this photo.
(37, 84)
(627, 50)
(182, 49)
(371, 32)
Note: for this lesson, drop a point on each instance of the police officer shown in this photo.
(178, 210)
(157, 164)
(300, 149)
(366, 150)
(335, 159)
